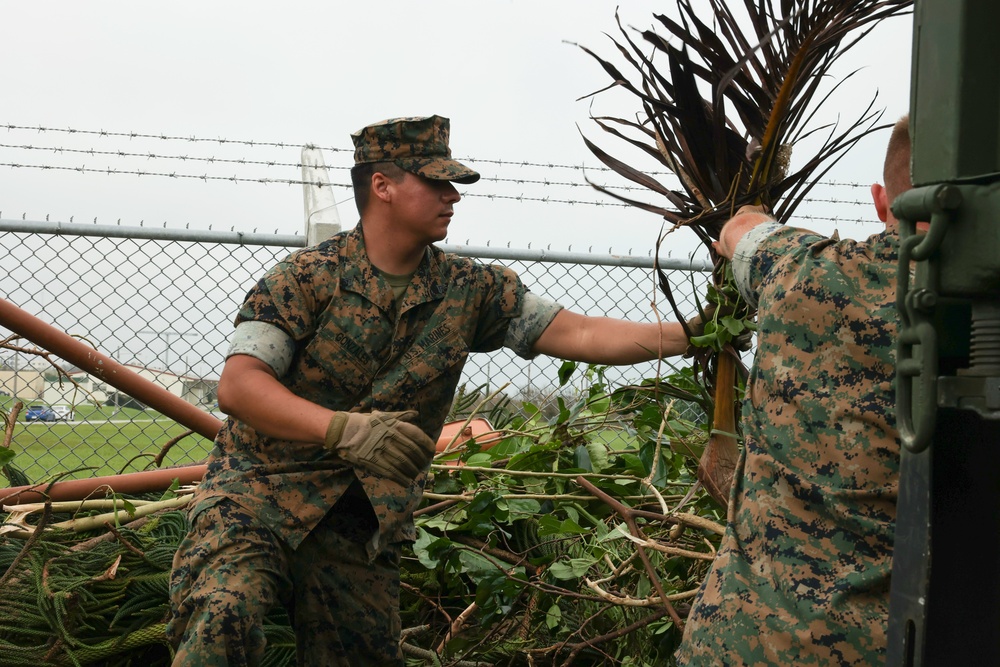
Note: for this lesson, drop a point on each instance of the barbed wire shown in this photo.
(298, 165)
(271, 163)
(164, 137)
(275, 144)
(288, 181)
(83, 169)
(160, 156)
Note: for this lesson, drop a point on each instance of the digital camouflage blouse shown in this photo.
(802, 574)
(356, 349)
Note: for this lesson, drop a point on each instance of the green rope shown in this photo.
(67, 606)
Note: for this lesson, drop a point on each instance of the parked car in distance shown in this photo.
(39, 413)
(63, 412)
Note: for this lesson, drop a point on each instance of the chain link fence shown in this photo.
(162, 302)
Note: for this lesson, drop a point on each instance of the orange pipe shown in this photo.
(149, 481)
(107, 369)
(78, 489)
(476, 428)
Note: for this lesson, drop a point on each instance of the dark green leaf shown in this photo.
(566, 371)
(571, 568)
(550, 525)
(733, 325)
(6, 455)
(523, 506)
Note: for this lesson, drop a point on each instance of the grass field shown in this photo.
(99, 441)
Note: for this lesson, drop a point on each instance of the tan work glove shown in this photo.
(383, 442)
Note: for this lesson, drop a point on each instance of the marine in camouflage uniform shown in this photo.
(291, 520)
(802, 574)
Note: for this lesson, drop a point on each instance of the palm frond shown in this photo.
(739, 87)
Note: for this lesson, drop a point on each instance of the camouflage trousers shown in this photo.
(229, 572)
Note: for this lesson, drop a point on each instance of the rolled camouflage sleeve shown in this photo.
(773, 249)
(743, 256)
(536, 314)
(265, 342)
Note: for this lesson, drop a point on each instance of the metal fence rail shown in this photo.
(163, 300)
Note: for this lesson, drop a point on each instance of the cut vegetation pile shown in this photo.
(579, 538)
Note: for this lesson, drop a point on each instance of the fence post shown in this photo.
(322, 219)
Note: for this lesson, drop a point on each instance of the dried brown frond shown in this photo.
(725, 93)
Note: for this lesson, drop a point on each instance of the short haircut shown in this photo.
(361, 179)
(896, 172)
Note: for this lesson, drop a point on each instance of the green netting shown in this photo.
(74, 600)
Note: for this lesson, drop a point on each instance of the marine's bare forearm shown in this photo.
(249, 392)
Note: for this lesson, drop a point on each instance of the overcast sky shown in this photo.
(504, 71)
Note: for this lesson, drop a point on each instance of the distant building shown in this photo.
(26, 384)
(195, 390)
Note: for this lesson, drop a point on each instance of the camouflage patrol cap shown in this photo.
(418, 145)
